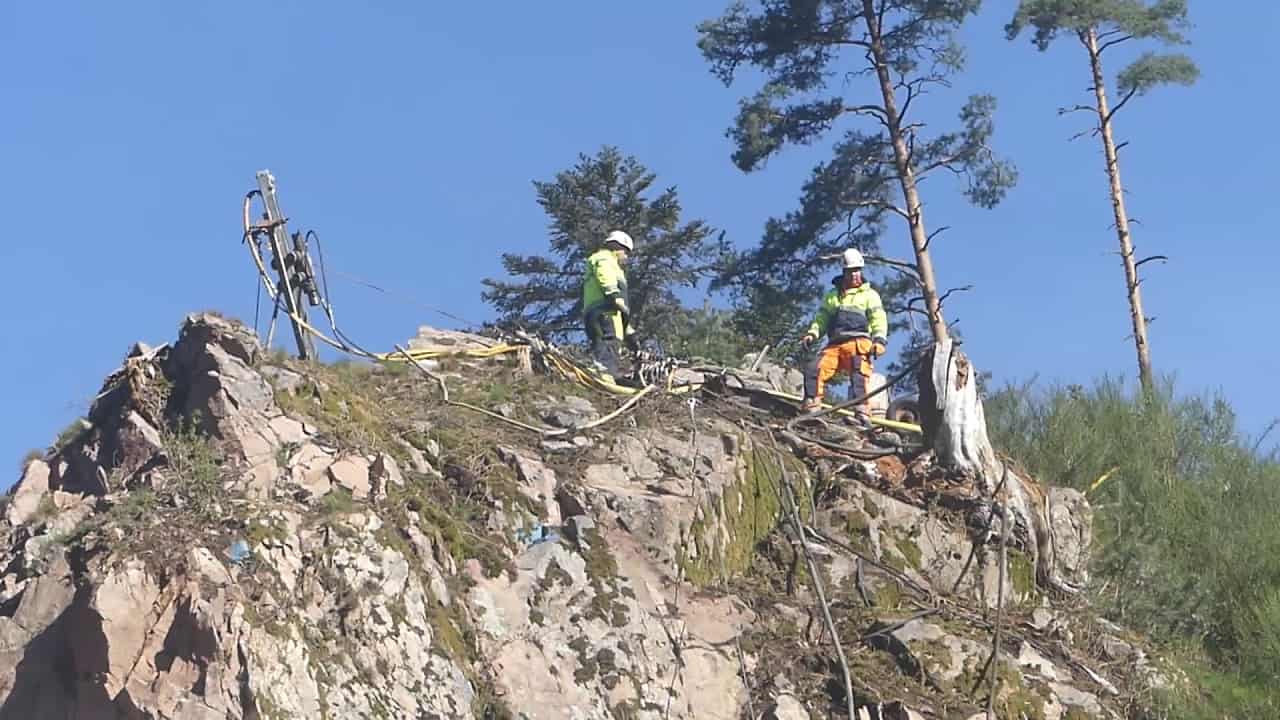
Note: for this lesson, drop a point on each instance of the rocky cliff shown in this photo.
(230, 534)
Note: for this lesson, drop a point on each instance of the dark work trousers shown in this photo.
(602, 331)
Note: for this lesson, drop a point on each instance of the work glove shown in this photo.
(878, 346)
(808, 340)
(620, 304)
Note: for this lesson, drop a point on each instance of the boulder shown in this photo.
(25, 497)
(352, 473)
(567, 412)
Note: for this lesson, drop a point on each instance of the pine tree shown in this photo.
(707, 333)
(861, 65)
(1100, 25)
(543, 294)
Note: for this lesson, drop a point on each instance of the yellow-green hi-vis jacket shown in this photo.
(847, 314)
(603, 282)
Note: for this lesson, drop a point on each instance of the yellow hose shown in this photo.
(1101, 480)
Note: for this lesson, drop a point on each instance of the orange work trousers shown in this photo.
(852, 356)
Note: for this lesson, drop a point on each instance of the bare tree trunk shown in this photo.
(1122, 220)
(906, 174)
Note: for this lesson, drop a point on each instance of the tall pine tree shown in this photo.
(862, 66)
(1101, 25)
(606, 192)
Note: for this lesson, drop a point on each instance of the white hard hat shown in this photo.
(620, 238)
(852, 258)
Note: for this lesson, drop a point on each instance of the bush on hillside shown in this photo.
(1187, 538)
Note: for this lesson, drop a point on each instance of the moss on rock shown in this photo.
(727, 530)
(910, 551)
(1022, 573)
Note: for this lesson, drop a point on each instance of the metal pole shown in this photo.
(285, 263)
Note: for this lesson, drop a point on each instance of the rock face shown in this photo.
(232, 538)
(31, 488)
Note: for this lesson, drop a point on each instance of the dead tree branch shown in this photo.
(814, 576)
(1110, 43)
(1265, 433)
(1128, 96)
(1004, 561)
(1092, 131)
(903, 267)
(873, 110)
(943, 297)
(746, 679)
(929, 240)
(878, 204)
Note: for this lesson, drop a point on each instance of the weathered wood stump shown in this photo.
(955, 427)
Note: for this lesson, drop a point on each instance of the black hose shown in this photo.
(324, 277)
(328, 303)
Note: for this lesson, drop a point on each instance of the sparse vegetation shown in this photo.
(134, 514)
(196, 468)
(45, 509)
(32, 454)
(337, 501)
(68, 434)
(262, 529)
(334, 397)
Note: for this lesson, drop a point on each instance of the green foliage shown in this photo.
(70, 433)
(1115, 22)
(1187, 543)
(769, 315)
(1163, 20)
(337, 501)
(599, 194)
(1152, 70)
(336, 398)
(820, 71)
(705, 333)
(196, 466)
(135, 513)
(1218, 694)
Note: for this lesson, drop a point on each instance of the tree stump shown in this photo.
(955, 428)
(524, 362)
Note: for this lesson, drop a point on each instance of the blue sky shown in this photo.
(407, 134)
